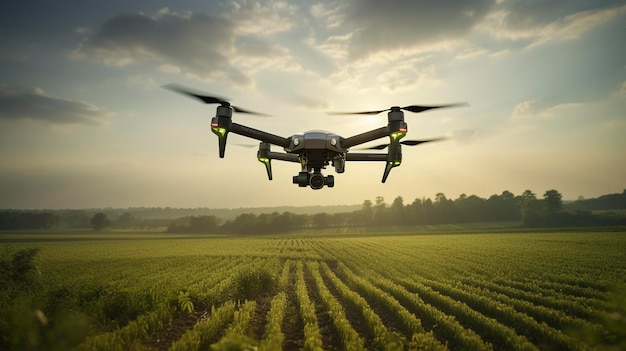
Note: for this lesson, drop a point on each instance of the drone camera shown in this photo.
(315, 180)
(329, 181)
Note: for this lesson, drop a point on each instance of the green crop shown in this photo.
(401, 291)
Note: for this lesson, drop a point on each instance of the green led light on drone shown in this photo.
(397, 135)
(219, 131)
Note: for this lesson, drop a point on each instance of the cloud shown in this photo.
(254, 55)
(463, 136)
(311, 103)
(404, 24)
(538, 23)
(331, 16)
(539, 109)
(470, 53)
(375, 38)
(253, 17)
(622, 90)
(534, 14)
(573, 26)
(396, 45)
(525, 108)
(226, 47)
(408, 77)
(21, 103)
(197, 44)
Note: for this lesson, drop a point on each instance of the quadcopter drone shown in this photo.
(315, 150)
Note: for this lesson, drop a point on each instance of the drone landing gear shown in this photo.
(316, 180)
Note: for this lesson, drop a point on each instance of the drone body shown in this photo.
(315, 150)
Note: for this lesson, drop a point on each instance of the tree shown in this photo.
(415, 212)
(27, 220)
(470, 208)
(380, 211)
(553, 201)
(510, 206)
(365, 216)
(100, 221)
(244, 223)
(428, 209)
(203, 224)
(286, 221)
(532, 210)
(125, 220)
(321, 220)
(444, 209)
(398, 212)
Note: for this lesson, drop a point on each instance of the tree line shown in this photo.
(17, 220)
(75, 219)
(527, 208)
(604, 202)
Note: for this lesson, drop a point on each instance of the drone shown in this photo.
(316, 149)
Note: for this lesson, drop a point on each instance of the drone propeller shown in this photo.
(407, 143)
(412, 108)
(208, 99)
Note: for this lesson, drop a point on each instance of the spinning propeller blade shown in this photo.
(418, 108)
(407, 143)
(357, 113)
(208, 99)
(411, 108)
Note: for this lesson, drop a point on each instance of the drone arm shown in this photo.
(281, 156)
(265, 156)
(365, 157)
(394, 156)
(259, 135)
(391, 162)
(365, 137)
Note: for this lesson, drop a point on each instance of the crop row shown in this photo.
(383, 338)
(486, 314)
(350, 339)
(312, 334)
(383, 293)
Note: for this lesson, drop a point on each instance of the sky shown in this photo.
(85, 121)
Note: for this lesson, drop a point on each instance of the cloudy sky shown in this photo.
(85, 122)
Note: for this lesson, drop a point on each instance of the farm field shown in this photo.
(156, 291)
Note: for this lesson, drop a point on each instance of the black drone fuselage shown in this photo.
(314, 150)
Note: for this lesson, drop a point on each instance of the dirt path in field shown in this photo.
(181, 323)
(352, 314)
(292, 326)
(388, 318)
(256, 328)
(330, 338)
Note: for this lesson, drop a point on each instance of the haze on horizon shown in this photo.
(84, 122)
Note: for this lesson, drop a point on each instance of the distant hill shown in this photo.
(604, 202)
